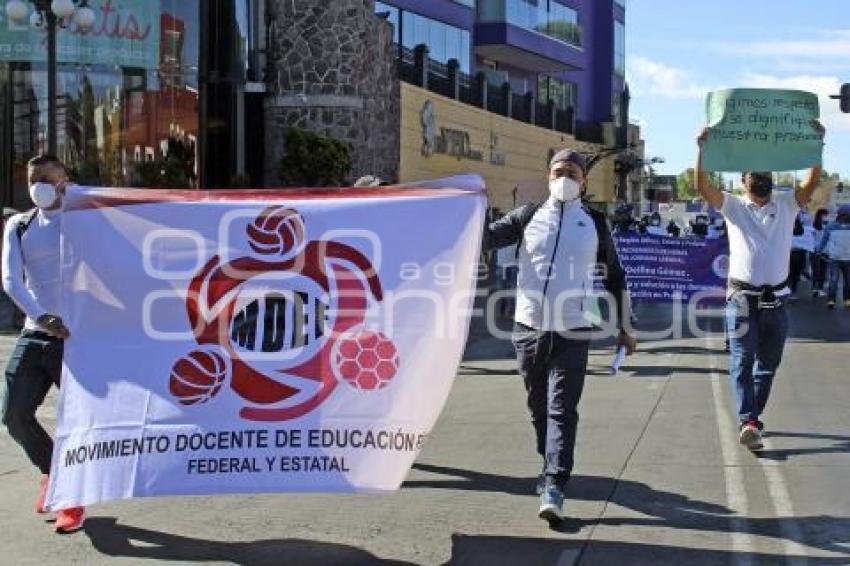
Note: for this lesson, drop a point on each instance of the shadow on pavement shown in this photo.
(661, 509)
(113, 539)
(841, 445)
(504, 551)
(635, 495)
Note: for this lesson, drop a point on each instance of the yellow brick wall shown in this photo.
(525, 148)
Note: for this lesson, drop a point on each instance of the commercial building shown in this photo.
(148, 75)
(507, 83)
(202, 91)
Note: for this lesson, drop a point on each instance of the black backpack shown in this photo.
(25, 221)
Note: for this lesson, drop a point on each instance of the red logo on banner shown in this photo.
(283, 324)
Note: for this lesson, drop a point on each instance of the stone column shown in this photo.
(333, 71)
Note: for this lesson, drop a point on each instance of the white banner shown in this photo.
(258, 341)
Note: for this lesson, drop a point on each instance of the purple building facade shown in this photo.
(569, 51)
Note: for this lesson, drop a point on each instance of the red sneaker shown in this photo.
(42, 495)
(70, 520)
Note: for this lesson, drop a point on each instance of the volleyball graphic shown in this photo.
(199, 376)
(277, 231)
(367, 360)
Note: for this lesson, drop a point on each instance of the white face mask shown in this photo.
(44, 195)
(564, 189)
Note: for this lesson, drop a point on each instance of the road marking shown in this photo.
(736, 495)
(780, 499)
(795, 552)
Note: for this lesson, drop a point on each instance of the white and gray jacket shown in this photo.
(561, 249)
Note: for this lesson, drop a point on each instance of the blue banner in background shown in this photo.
(660, 268)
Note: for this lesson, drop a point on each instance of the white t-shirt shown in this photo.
(760, 238)
(31, 266)
(806, 241)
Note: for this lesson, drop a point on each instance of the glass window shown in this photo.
(121, 101)
(421, 30)
(470, 3)
(444, 41)
(407, 29)
(619, 49)
(465, 50)
(437, 41)
(548, 17)
(491, 11)
(453, 43)
(562, 93)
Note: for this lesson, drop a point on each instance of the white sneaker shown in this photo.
(750, 436)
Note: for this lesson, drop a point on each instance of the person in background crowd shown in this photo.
(673, 229)
(836, 245)
(818, 259)
(802, 244)
(717, 229)
(562, 244)
(31, 278)
(699, 226)
(655, 228)
(506, 270)
(760, 226)
(623, 220)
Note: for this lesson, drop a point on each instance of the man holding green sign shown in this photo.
(760, 227)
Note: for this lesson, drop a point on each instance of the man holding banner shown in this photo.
(31, 264)
(560, 243)
(760, 227)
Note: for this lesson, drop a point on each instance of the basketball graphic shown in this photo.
(367, 360)
(277, 231)
(199, 376)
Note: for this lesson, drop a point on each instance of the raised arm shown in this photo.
(712, 195)
(506, 231)
(805, 191)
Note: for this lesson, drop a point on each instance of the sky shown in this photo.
(679, 50)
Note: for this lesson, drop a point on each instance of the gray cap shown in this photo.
(570, 156)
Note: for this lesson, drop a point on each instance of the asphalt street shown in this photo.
(660, 478)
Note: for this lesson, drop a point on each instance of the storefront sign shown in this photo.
(453, 142)
(125, 33)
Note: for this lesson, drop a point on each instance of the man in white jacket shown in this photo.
(561, 245)
(31, 278)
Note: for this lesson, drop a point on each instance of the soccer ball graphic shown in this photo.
(199, 376)
(277, 231)
(366, 360)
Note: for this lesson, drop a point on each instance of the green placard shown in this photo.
(762, 130)
(125, 33)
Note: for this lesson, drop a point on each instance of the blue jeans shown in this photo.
(756, 341)
(553, 369)
(34, 366)
(838, 269)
